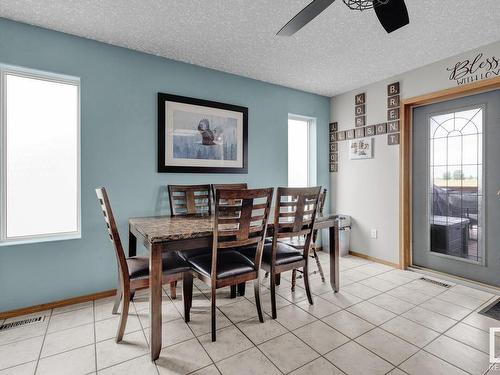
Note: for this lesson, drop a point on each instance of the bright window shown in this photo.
(40, 156)
(301, 151)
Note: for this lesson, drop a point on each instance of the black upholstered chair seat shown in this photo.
(229, 263)
(172, 263)
(187, 254)
(284, 253)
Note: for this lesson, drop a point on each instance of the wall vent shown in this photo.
(21, 323)
(435, 282)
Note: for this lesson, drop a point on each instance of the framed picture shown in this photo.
(201, 136)
(361, 149)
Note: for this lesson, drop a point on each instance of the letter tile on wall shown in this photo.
(360, 121)
(392, 114)
(359, 110)
(393, 139)
(381, 128)
(359, 99)
(393, 101)
(369, 130)
(359, 132)
(393, 89)
(393, 126)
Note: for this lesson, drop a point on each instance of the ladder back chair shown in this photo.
(241, 218)
(133, 272)
(294, 216)
(234, 186)
(300, 242)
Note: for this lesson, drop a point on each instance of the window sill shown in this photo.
(39, 239)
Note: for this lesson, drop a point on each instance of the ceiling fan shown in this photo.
(392, 14)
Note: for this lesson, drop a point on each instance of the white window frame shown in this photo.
(46, 76)
(311, 146)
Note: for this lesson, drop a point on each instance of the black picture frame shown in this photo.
(162, 168)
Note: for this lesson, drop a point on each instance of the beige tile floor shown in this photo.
(383, 321)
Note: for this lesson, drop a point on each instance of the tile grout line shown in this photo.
(43, 342)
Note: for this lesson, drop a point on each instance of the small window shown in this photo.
(301, 151)
(40, 156)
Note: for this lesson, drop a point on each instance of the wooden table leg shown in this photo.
(132, 244)
(334, 257)
(155, 296)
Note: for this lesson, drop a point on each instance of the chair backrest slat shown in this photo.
(241, 218)
(114, 236)
(189, 200)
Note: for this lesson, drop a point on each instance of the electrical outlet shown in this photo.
(374, 233)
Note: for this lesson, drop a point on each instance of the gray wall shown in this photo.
(369, 189)
(118, 101)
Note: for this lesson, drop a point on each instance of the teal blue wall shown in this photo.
(118, 101)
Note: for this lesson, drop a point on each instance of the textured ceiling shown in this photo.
(339, 51)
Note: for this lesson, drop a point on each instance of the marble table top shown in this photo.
(173, 228)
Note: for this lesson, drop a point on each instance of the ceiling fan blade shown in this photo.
(305, 16)
(392, 14)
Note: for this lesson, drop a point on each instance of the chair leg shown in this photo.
(132, 295)
(318, 263)
(241, 289)
(256, 287)
(294, 279)
(272, 279)
(124, 316)
(278, 278)
(305, 274)
(233, 291)
(118, 299)
(173, 289)
(213, 312)
(187, 294)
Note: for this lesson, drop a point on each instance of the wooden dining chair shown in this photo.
(239, 186)
(299, 243)
(133, 272)
(294, 216)
(236, 225)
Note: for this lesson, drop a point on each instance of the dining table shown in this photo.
(160, 234)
